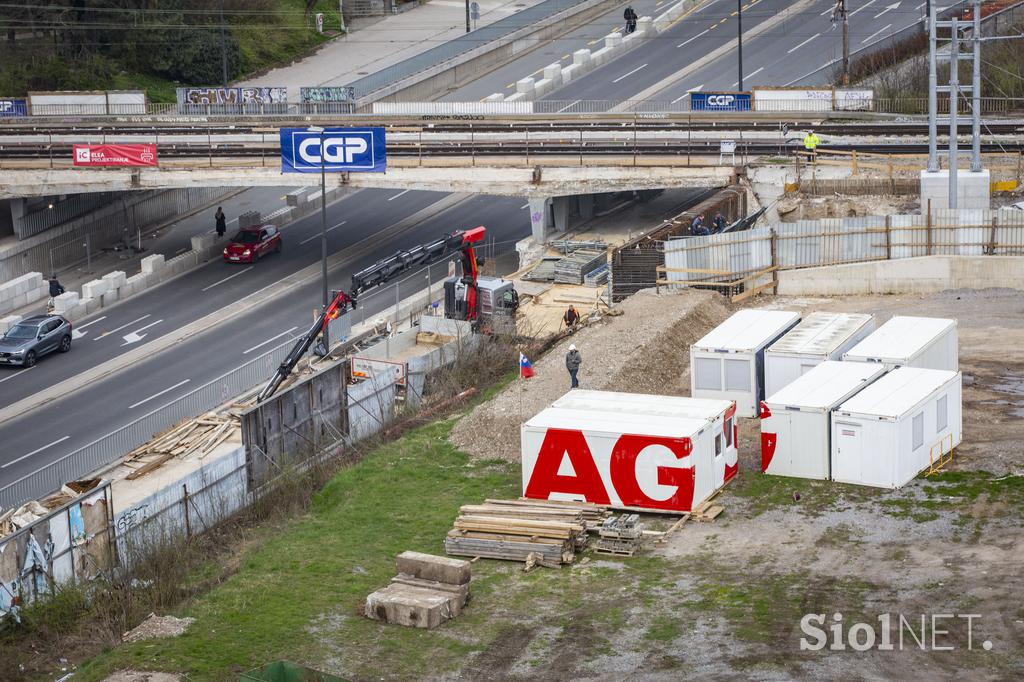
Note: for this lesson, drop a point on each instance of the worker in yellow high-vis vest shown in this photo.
(811, 143)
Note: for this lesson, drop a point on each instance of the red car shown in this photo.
(252, 243)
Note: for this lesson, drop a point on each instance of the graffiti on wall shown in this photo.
(236, 96)
(345, 93)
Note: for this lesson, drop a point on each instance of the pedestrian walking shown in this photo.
(719, 222)
(222, 222)
(630, 16)
(811, 143)
(570, 318)
(56, 289)
(573, 360)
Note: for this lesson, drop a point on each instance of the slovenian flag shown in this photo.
(525, 368)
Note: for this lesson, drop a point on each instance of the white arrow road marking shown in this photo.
(864, 6)
(888, 8)
(59, 440)
(16, 374)
(272, 338)
(626, 75)
(318, 235)
(76, 332)
(157, 395)
(797, 47)
(697, 36)
(240, 272)
(881, 30)
(134, 336)
(106, 333)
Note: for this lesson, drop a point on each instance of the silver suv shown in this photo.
(34, 337)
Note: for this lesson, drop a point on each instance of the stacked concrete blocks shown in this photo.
(427, 591)
(7, 322)
(21, 291)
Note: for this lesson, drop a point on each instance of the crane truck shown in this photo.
(468, 297)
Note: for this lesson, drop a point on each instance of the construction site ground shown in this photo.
(718, 600)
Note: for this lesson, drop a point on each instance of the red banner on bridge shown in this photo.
(115, 155)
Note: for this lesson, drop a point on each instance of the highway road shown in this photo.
(49, 433)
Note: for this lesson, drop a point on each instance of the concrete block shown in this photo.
(570, 72)
(91, 305)
(137, 282)
(553, 73)
(8, 322)
(76, 312)
(109, 298)
(94, 289)
(543, 87)
(496, 97)
(581, 57)
(525, 86)
(410, 606)
(644, 27)
(972, 191)
(517, 97)
(204, 242)
(114, 279)
(431, 567)
(602, 56)
(42, 292)
(125, 290)
(152, 264)
(613, 40)
(69, 299)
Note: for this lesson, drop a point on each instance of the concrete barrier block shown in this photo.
(431, 567)
(110, 297)
(67, 300)
(153, 264)
(8, 322)
(569, 72)
(581, 57)
(613, 41)
(517, 97)
(115, 279)
(17, 301)
(42, 292)
(496, 97)
(662, 22)
(125, 290)
(94, 289)
(553, 73)
(600, 57)
(543, 87)
(644, 27)
(525, 86)
(91, 305)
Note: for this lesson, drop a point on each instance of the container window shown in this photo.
(708, 374)
(941, 414)
(728, 432)
(718, 445)
(918, 430)
(737, 375)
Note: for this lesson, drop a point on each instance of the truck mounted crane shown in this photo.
(465, 307)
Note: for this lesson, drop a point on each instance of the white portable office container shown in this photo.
(627, 451)
(818, 337)
(890, 431)
(796, 430)
(728, 363)
(929, 342)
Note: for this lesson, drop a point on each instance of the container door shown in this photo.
(848, 452)
(708, 467)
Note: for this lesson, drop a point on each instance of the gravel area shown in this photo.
(644, 350)
(155, 627)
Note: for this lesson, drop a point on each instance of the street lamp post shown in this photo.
(323, 228)
(739, 37)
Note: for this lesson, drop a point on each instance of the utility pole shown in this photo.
(739, 37)
(976, 91)
(467, 16)
(839, 14)
(223, 47)
(933, 85)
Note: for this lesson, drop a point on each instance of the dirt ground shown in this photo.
(802, 207)
(727, 598)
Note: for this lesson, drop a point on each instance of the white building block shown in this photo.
(94, 289)
(613, 41)
(153, 264)
(543, 87)
(8, 322)
(91, 305)
(109, 297)
(600, 57)
(517, 97)
(644, 27)
(66, 301)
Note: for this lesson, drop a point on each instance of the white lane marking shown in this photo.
(18, 373)
(888, 8)
(798, 46)
(688, 40)
(827, 10)
(240, 272)
(524, 206)
(920, 6)
(157, 395)
(404, 191)
(318, 234)
(272, 338)
(134, 336)
(749, 75)
(568, 106)
(106, 333)
(626, 75)
(77, 333)
(683, 96)
(864, 6)
(98, 319)
(881, 30)
(59, 440)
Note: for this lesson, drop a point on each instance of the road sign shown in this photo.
(474, 10)
(344, 149)
(13, 107)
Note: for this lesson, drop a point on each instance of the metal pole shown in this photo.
(467, 16)
(933, 143)
(223, 47)
(323, 235)
(954, 87)
(976, 91)
(739, 38)
(846, 43)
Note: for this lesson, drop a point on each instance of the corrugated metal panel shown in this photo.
(901, 338)
(747, 330)
(733, 252)
(820, 333)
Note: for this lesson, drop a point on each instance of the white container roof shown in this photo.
(617, 422)
(825, 385)
(747, 330)
(643, 403)
(820, 334)
(898, 392)
(901, 338)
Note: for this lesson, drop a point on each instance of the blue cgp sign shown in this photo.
(13, 107)
(720, 101)
(344, 149)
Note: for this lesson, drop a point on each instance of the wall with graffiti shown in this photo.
(248, 99)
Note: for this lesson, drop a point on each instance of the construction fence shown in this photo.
(742, 263)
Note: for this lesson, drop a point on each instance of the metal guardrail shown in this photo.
(108, 448)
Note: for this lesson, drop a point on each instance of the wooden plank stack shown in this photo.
(513, 530)
(199, 436)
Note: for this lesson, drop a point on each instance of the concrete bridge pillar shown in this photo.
(541, 220)
(561, 210)
(585, 206)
